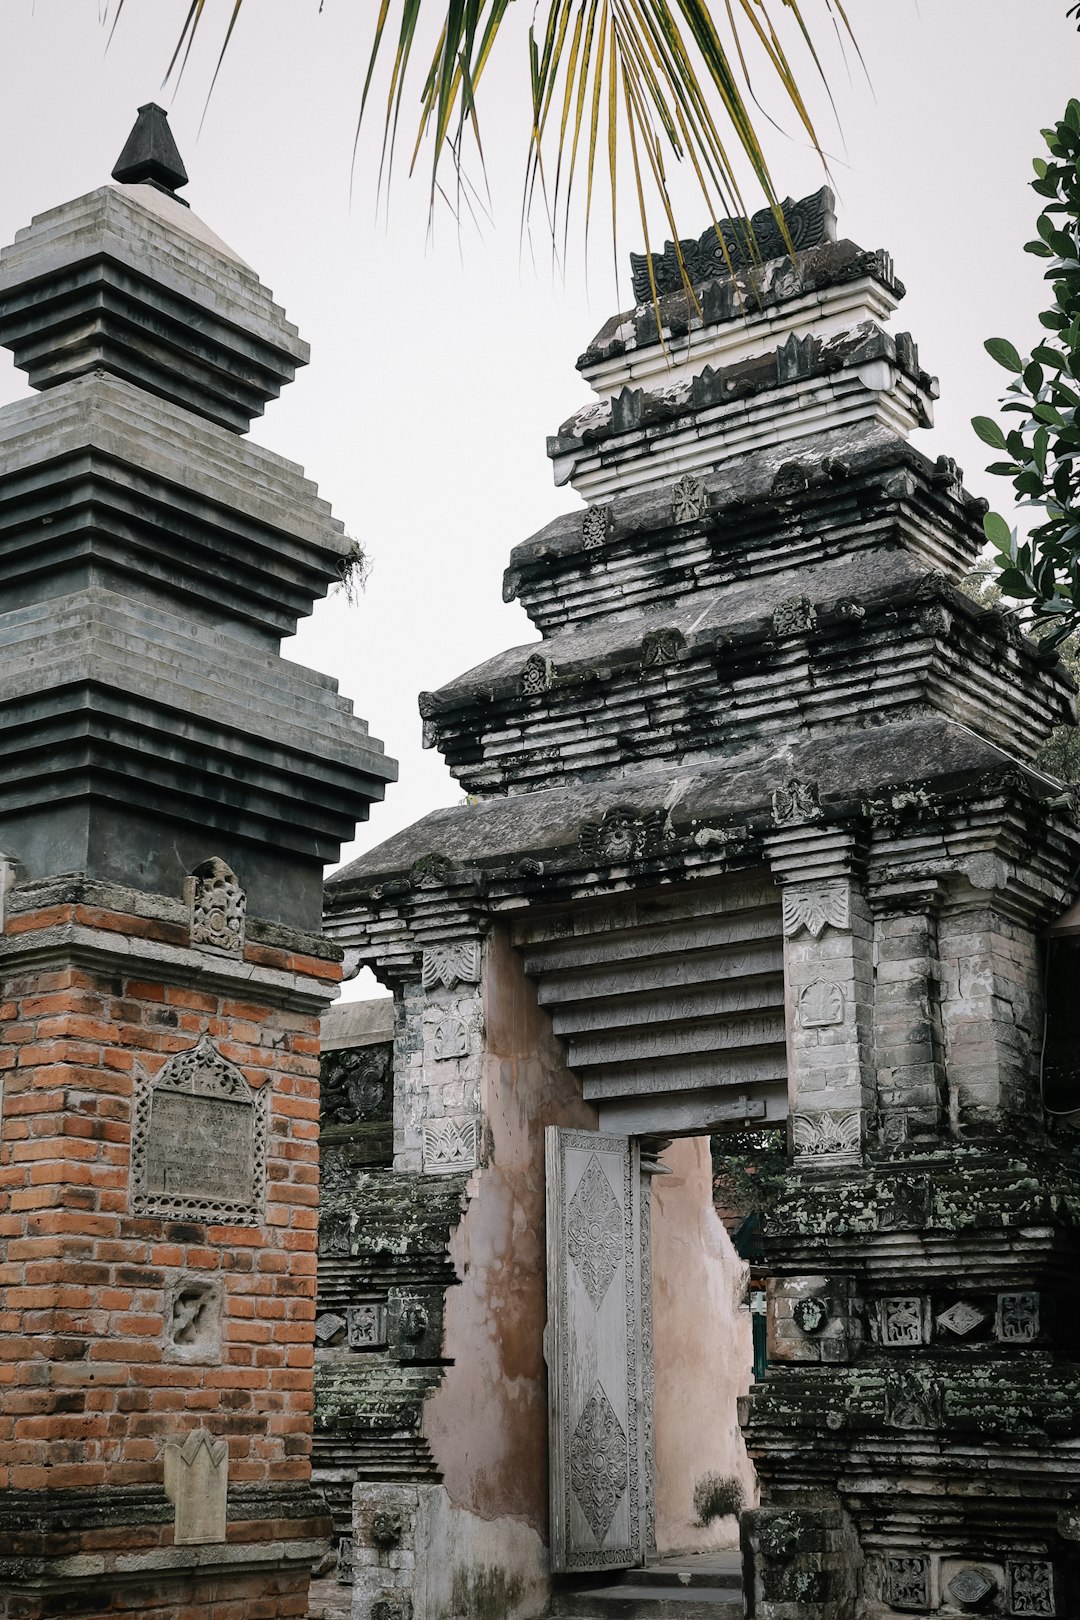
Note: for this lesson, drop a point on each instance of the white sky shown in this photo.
(438, 368)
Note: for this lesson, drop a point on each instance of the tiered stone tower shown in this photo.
(760, 812)
(170, 792)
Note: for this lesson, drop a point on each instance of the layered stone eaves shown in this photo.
(96, 471)
(715, 677)
(826, 282)
(845, 495)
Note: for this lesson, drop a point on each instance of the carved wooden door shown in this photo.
(598, 1347)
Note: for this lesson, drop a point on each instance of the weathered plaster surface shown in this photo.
(487, 1424)
(702, 1348)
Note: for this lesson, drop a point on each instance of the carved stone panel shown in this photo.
(1017, 1318)
(217, 906)
(824, 905)
(688, 499)
(904, 1320)
(355, 1085)
(907, 1583)
(444, 966)
(961, 1319)
(451, 1040)
(821, 1004)
(796, 803)
(199, 1140)
(193, 1311)
(450, 1144)
(415, 1323)
(1031, 1588)
(366, 1326)
(595, 526)
(196, 1482)
(833, 1136)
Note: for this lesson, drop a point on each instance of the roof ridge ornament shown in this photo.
(150, 156)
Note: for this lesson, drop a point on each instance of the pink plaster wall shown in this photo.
(703, 1352)
(487, 1424)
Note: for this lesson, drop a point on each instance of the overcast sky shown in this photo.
(438, 367)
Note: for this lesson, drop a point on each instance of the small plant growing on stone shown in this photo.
(353, 570)
(716, 1496)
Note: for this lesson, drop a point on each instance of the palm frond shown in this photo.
(672, 76)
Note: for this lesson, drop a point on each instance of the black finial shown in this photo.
(150, 157)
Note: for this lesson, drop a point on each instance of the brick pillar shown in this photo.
(131, 1318)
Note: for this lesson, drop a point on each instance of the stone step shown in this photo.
(697, 1569)
(648, 1602)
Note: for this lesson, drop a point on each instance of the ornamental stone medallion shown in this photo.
(598, 1462)
(199, 1140)
(594, 1232)
(907, 1583)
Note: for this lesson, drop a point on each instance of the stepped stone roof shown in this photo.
(151, 562)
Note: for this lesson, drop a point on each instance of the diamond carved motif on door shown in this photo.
(598, 1462)
(594, 1233)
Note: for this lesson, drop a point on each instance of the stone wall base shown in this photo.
(415, 1556)
(800, 1562)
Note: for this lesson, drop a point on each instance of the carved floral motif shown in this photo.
(535, 676)
(661, 647)
(354, 1083)
(595, 523)
(688, 499)
(1018, 1318)
(450, 1144)
(907, 1582)
(598, 1462)
(833, 1134)
(594, 1232)
(826, 905)
(448, 965)
(1031, 1588)
(794, 616)
(622, 836)
(821, 1004)
(451, 1040)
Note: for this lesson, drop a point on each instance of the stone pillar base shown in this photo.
(800, 1562)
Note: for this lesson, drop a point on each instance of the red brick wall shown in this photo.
(86, 1397)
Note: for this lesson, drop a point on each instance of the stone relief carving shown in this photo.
(354, 1084)
(795, 803)
(196, 1482)
(688, 499)
(444, 966)
(193, 1311)
(595, 526)
(961, 1319)
(198, 1144)
(622, 836)
(827, 905)
(972, 1587)
(907, 1582)
(794, 616)
(366, 1326)
(821, 1004)
(329, 1328)
(216, 908)
(835, 1135)
(1017, 1318)
(661, 647)
(1031, 1588)
(450, 1144)
(809, 221)
(810, 1315)
(913, 1402)
(903, 1320)
(430, 871)
(535, 675)
(451, 1040)
(599, 1462)
(594, 1231)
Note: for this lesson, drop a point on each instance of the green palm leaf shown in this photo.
(674, 83)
